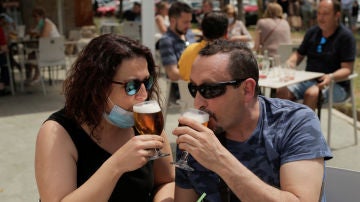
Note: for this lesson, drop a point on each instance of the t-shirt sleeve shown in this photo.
(348, 49)
(303, 138)
(167, 52)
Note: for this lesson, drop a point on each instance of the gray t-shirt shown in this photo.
(286, 132)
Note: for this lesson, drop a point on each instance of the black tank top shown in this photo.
(132, 186)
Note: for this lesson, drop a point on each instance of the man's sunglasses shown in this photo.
(133, 86)
(213, 90)
(319, 47)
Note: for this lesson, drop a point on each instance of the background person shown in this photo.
(272, 30)
(354, 14)
(206, 7)
(44, 28)
(90, 151)
(173, 43)
(330, 48)
(256, 148)
(4, 73)
(213, 26)
(161, 18)
(236, 28)
(346, 9)
(134, 14)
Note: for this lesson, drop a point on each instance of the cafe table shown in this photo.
(297, 76)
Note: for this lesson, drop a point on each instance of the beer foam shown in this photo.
(201, 118)
(149, 107)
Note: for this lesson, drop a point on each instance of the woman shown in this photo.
(89, 150)
(236, 29)
(272, 30)
(161, 19)
(44, 28)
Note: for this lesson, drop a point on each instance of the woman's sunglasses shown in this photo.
(133, 86)
(209, 91)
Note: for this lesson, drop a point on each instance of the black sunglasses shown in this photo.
(133, 86)
(319, 47)
(213, 90)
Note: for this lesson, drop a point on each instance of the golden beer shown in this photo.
(148, 118)
(197, 115)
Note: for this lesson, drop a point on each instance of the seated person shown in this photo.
(44, 28)
(134, 14)
(330, 49)
(236, 28)
(254, 148)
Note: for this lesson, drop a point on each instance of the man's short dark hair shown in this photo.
(214, 25)
(242, 62)
(177, 8)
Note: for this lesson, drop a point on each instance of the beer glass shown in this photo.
(149, 120)
(201, 117)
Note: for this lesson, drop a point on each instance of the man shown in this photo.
(330, 48)
(213, 26)
(174, 41)
(262, 149)
(206, 7)
(134, 14)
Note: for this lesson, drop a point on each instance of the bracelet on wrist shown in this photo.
(331, 76)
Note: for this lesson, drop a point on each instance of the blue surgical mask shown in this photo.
(231, 20)
(120, 117)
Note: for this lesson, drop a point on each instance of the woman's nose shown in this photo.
(142, 94)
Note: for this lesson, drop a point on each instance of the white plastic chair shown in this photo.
(131, 29)
(342, 185)
(353, 105)
(51, 54)
(285, 50)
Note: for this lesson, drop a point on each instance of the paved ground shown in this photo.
(21, 116)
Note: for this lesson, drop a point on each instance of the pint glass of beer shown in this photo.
(149, 120)
(201, 117)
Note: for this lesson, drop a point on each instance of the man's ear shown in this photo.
(249, 86)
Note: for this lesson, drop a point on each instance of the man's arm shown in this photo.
(342, 73)
(295, 59)
(172, 72)
(299, 181)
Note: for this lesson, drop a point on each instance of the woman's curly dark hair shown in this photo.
(89, 80)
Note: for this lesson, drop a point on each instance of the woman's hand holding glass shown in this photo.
(137, 151)
(149, 120)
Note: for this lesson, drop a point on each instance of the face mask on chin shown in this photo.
(120, 117)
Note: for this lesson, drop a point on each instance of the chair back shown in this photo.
(285, 50)
(132, 30)
(342, 185)
(74, 35)
(51, 51)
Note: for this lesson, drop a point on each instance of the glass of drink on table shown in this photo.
(149, 120)
(201, 117)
